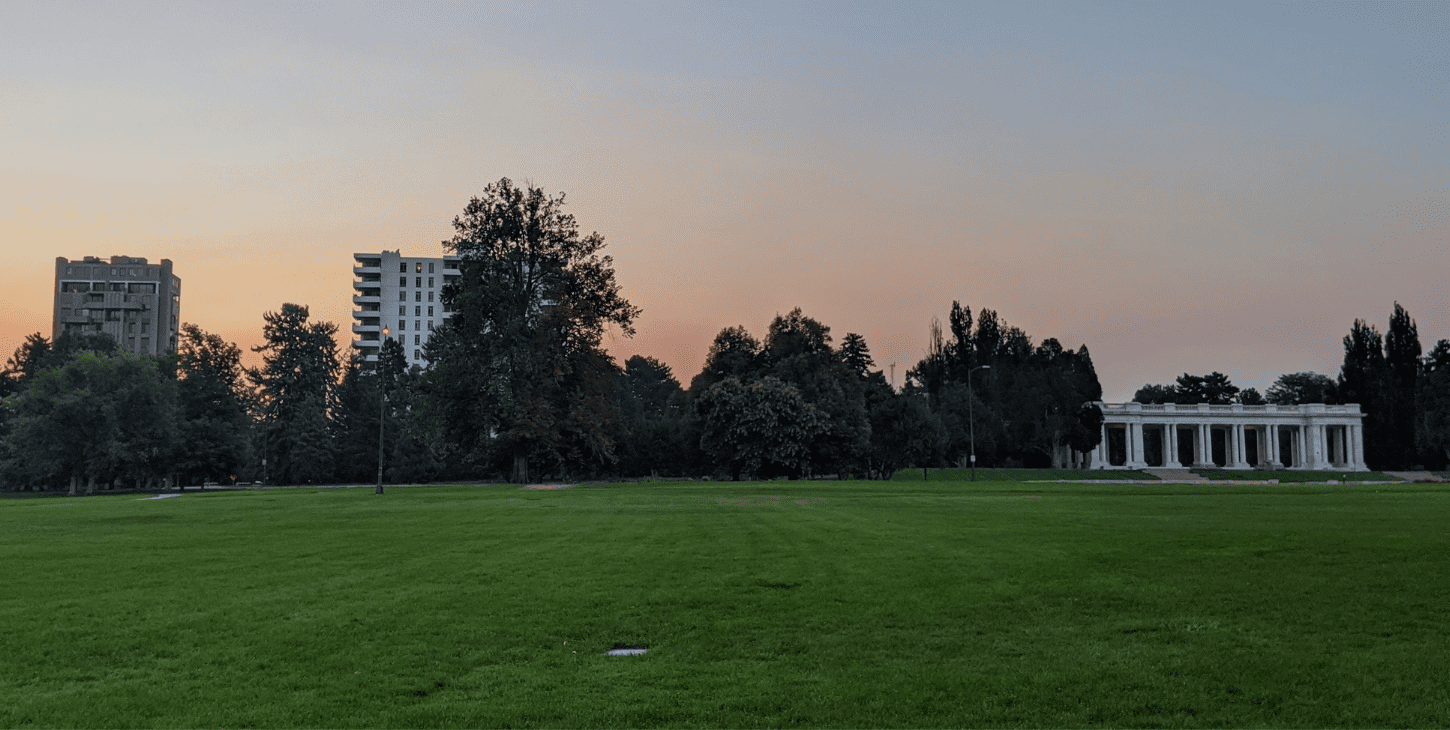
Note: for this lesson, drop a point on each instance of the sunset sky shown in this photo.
(1182, 187)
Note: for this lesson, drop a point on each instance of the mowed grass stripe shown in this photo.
(801, 603)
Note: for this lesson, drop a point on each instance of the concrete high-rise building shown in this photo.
(401, 293)
(136, 302)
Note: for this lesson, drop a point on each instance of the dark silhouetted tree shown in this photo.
(519, 374)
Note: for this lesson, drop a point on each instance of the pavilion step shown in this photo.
(1176, 475)
(1416, 476)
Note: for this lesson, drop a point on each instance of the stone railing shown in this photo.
(1305, 409)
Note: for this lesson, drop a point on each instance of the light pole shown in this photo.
(971, 422)
(382, 407)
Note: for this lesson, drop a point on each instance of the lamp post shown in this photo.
(382, 407)
(971, 421)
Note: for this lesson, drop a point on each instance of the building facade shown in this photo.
(401, 293)
(1304, 437)
(135, 302)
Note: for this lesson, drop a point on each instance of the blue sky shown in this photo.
(1223, 186)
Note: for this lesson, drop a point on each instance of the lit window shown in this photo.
(420, 267)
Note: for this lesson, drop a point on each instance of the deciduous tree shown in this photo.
(521, 364)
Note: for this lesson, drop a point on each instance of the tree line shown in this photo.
(519, 386)
(1403, 392)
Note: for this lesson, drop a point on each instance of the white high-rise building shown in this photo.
(401, 293)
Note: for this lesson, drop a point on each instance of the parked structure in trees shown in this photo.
(403, 293)
(137, 303)
(1232, 436)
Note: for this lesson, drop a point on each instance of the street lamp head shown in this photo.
(387, 331)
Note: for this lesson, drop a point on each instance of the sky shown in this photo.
(1181, 187)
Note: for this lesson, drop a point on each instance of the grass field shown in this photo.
(1020, 475)
(763, 605)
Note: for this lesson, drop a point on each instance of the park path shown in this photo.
(1177, 476)
(1416, 476)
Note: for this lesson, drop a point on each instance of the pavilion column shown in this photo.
(1136, 459)
(1170, 445)
(1240, 448)
(1202, 454)
(1356, 447)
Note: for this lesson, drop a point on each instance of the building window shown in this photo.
(402, 324)
(146, 344)
(430, 311)
(417, 325)
(420, 282)
(430, 282)
(402, 281)
(402, 267)
(402, 296)
(417, 340)
(430, 296)
(145, 325)
(417, 311)
(430, 325)
(417, 354)
(430, 267)
(418, 296)
(402, 310)
(420, 267)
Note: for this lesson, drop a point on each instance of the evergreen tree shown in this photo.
(1299, 388)
(1362, 380)
(215, 429)
(1433, 422)
(294, 395)
(1402, 372)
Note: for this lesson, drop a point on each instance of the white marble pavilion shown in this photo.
(1306, 437)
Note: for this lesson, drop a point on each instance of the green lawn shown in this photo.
(1020, 475)
(1297, 477)
(763, 605)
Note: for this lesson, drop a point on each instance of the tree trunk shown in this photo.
(521, 469)
(91, 485)
(74, 480)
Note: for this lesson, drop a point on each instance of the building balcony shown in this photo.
(362, 327)
(366, 298)
(365, 313)
(364, 270)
